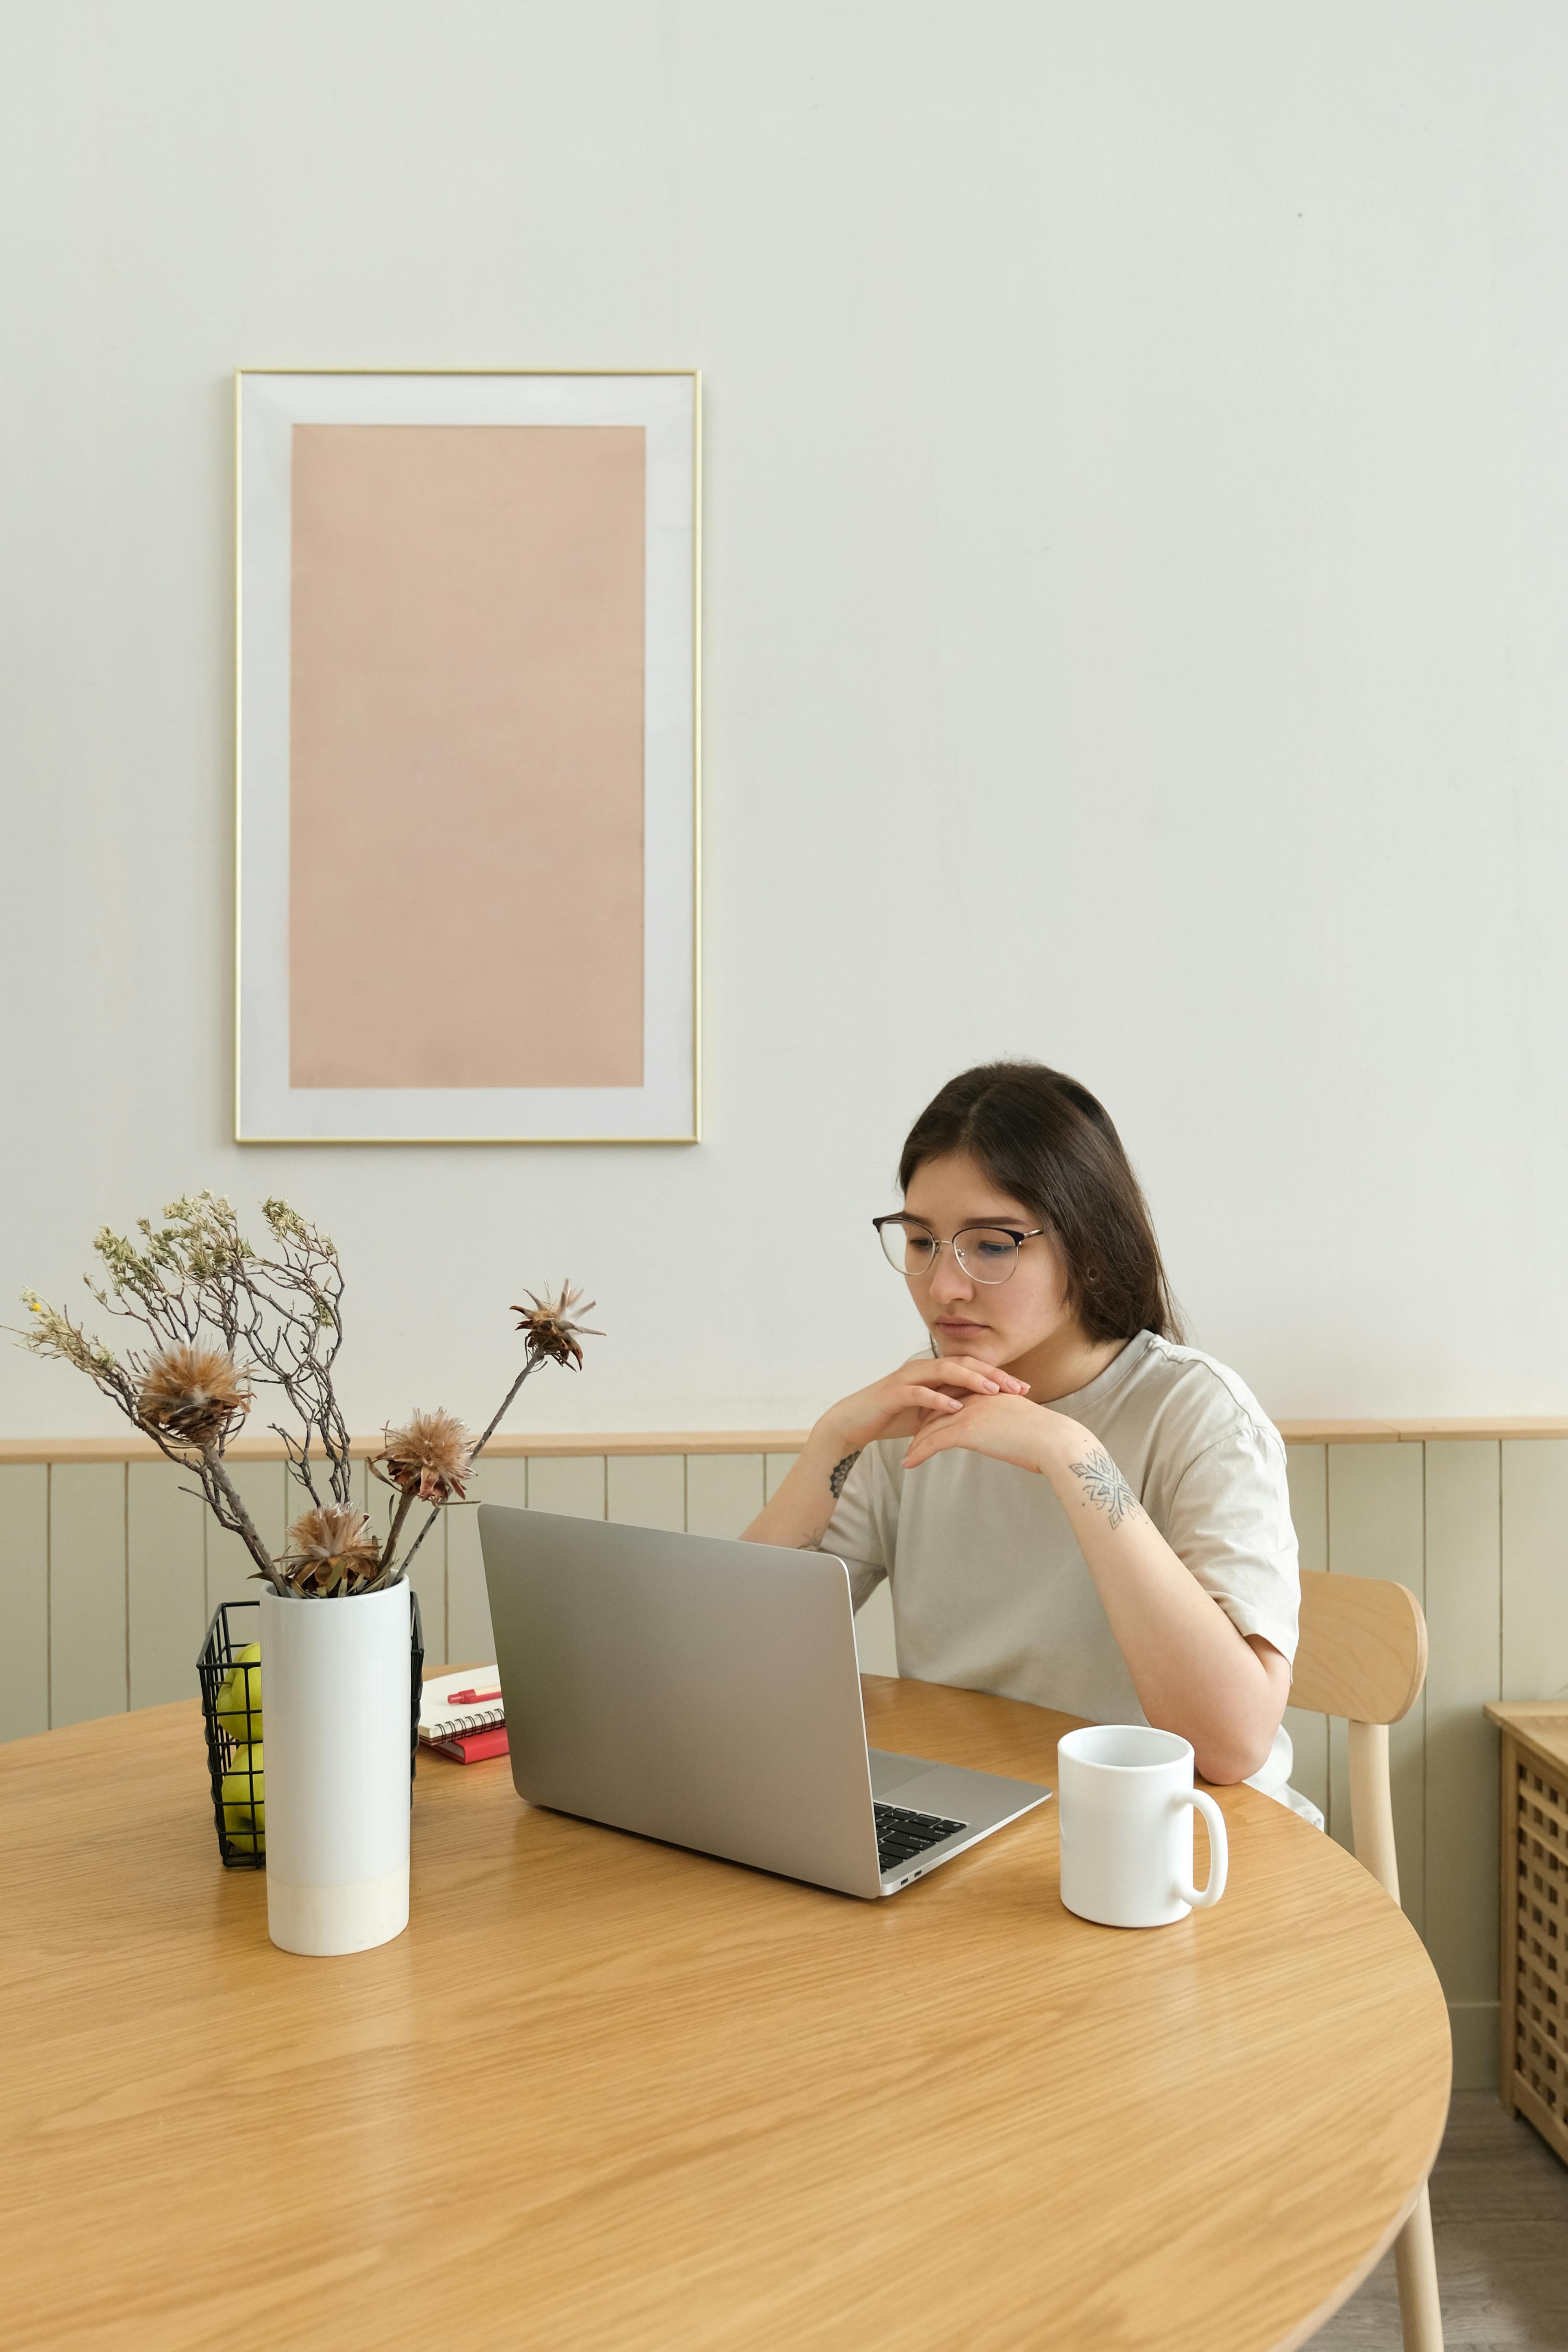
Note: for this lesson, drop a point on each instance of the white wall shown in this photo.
(1137, 588)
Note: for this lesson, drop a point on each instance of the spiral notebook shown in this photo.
(462, 1714)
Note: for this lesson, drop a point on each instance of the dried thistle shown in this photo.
(429, 1457)
(222, 1314)
(276, 1305)
(331, 1549)
(550, 1328)
(194, 1395)
(553, 1337)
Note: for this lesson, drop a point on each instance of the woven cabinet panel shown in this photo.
(1540, 1946)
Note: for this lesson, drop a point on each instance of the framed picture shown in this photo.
(467, 757)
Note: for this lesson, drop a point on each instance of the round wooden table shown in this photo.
(606, 2092)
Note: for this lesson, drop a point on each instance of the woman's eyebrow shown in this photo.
(1002, 1225)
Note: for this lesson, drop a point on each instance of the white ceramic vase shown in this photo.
(335, 1702)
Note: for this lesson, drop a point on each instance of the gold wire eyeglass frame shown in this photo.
(986, 1281)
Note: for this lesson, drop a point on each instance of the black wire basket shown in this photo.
(237, 1783)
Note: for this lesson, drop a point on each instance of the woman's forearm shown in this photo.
(1192, 1671)
(922, 1390)
(798, 1514)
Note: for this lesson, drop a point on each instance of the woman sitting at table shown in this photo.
(1071, 1506)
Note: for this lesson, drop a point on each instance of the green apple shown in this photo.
(243, 1804)
(238, 1707)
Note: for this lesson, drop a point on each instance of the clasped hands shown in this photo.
(951, 1400)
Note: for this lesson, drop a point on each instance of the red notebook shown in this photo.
(475, 1748)
(462, 1714)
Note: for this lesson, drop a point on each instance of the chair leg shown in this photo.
(1420, 2314)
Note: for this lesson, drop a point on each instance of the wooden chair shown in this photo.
(1362, 1654)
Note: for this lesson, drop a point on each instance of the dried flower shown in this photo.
(429, 1457)
(194, 1395)
(331, 1549)
(55, 1334)
(551, 1330)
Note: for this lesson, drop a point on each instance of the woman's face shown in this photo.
(997, 1322)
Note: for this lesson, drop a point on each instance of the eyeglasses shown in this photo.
(987, 1254)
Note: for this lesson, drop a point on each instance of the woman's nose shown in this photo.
(948, 1279)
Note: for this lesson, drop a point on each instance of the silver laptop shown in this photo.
(707, 1694)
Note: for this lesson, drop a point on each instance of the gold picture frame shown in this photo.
(297, 1078)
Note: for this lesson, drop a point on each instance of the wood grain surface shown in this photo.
(1363, 1648)
(606, 2092)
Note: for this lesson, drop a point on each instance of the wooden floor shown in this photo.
(1499, 2214)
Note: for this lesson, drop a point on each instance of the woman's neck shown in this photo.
(1064, 1363)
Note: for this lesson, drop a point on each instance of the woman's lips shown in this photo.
(958, 1327)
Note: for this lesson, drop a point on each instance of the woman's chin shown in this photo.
(971, 1340)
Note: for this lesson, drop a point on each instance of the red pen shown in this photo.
(469, 1697)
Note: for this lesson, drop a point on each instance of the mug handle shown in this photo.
(1219, 1851)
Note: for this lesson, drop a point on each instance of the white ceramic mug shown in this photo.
(1125, 1799)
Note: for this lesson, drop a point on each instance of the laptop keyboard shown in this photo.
(901, 1835)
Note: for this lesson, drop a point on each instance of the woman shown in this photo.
(1072, 1506)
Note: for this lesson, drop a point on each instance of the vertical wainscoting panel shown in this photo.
(1377, 1528)
(1308, 1466)
(572, 1484)
(166, 1568)
(645, 1490)
(24, 1597)
(273, 1500)
(776, 1468)
(429, 1578)
(428, 1574)
(875, 1645)
(1464, 1599)
(724, 1492)
(469, 1639)
(86, 1591)
(1534, 1568)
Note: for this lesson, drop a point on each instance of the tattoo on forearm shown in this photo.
(1105, 1487)
(840, 1470)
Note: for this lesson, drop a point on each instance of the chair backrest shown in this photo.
(1362, 1651)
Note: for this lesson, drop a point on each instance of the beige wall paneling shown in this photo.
(273, 1500)
(572, 1485)
(166, 1571)
(429, 1578)
(724, 1492)
(1308, 1466)
(86, 1591)
(469, 1639)
(428, 1574)
(875, 1646)
(24, 1599)
(1464, 1601)
(1535, 1567)
(644, 1490)
(776, 1468)
(1377, 1528)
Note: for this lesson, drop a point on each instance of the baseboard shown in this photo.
(1474, 2026)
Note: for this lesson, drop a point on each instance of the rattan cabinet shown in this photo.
(1533, 2062)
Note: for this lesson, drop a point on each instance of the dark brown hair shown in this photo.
(1045, 1140)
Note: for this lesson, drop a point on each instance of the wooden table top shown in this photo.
(607, 2094)
(1540, 1726)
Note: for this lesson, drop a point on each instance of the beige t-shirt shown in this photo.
(990, 1590)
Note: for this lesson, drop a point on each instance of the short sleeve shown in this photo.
(1229, 1522)
(864, 1529)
